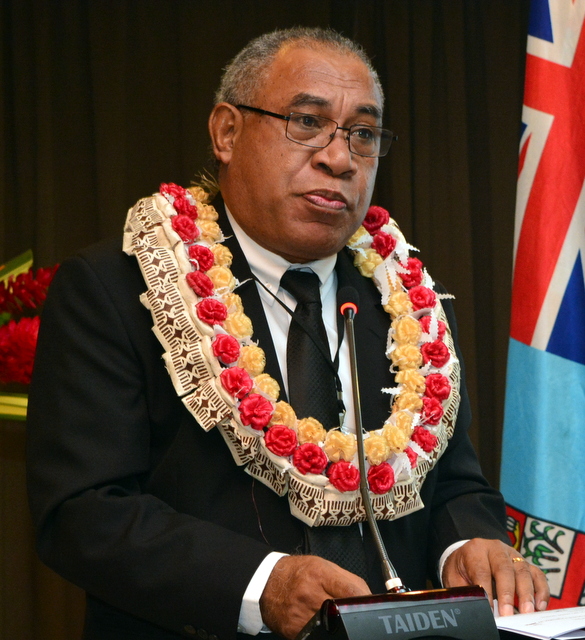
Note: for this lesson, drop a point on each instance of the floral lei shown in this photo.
(218, 370)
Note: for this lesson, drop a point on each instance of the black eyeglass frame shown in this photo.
(391, 136)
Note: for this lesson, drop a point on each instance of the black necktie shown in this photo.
(312, 392)
(311, 379)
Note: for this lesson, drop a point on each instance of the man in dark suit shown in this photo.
(146, 510)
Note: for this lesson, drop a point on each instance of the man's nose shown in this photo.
(336, 156)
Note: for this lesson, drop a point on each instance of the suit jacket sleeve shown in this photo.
(101, 417)
(464, 505)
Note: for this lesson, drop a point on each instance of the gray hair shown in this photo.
(242, 75)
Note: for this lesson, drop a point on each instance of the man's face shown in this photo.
(299, 202)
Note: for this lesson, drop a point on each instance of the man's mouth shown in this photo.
(327, 199)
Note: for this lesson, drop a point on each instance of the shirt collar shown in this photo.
(269, 267)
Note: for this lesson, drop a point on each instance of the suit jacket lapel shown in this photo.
(248, 291)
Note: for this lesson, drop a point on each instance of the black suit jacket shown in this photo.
(135, 503)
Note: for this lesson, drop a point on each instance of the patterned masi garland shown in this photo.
(217, 369)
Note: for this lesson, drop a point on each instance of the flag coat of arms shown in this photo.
(543, 456)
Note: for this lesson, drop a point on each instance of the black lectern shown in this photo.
(461, 613)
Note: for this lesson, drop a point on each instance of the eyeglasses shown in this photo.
(317, 132)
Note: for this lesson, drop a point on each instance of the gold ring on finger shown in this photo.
(518, 559)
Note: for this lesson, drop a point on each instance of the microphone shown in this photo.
(458, 613)
(348, 301)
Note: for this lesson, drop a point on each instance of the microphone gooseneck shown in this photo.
(373, 616)
(348, 303)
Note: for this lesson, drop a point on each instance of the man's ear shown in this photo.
(225, 123)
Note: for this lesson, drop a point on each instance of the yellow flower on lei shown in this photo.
(199, 194)
(367, 262)
(266, 384)
(252, 359)
(339, 446)
(403, 421)
(210, 231)
(284, 414)
(408, 401)
(376, 448)
(222, 278)
(412, 380)
(406, 356)
(397, 440)
(222, 255)
(406, 330)
(238, 325)
(398, 304)
(310, 430)
(233, 302)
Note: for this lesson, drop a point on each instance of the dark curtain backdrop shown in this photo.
(102, 100)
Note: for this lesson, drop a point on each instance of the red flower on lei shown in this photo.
(414, 276)
(376, 217)
(422, 297)
(426, 440)
(310, 458)
(185, 227)
(425, 323)
(281, 440)
(436, 353)
(344, 476)
(255, 411)
(211, 311)
(236, 381)
(412, 456)
(225, 348)
(172, 189)
(432, 411)
(184, 207)
(438, 386)
(201, 257)
(383, 243)
(200, 283)
(381, 478)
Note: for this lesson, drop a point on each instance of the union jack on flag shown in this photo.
(543, 457)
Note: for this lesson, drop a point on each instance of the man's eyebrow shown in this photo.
(370, 110)
(309, 100)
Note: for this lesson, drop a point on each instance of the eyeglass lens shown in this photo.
(316, 131)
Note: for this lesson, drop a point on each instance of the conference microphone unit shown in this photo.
(459, 613)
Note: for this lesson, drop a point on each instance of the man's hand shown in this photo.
(298, 586)
(489, 563)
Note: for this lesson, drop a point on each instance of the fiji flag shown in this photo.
(543, 459)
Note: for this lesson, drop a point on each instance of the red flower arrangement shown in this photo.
(18, 341)
(21, 299)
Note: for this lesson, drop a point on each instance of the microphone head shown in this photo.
(348, 299)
